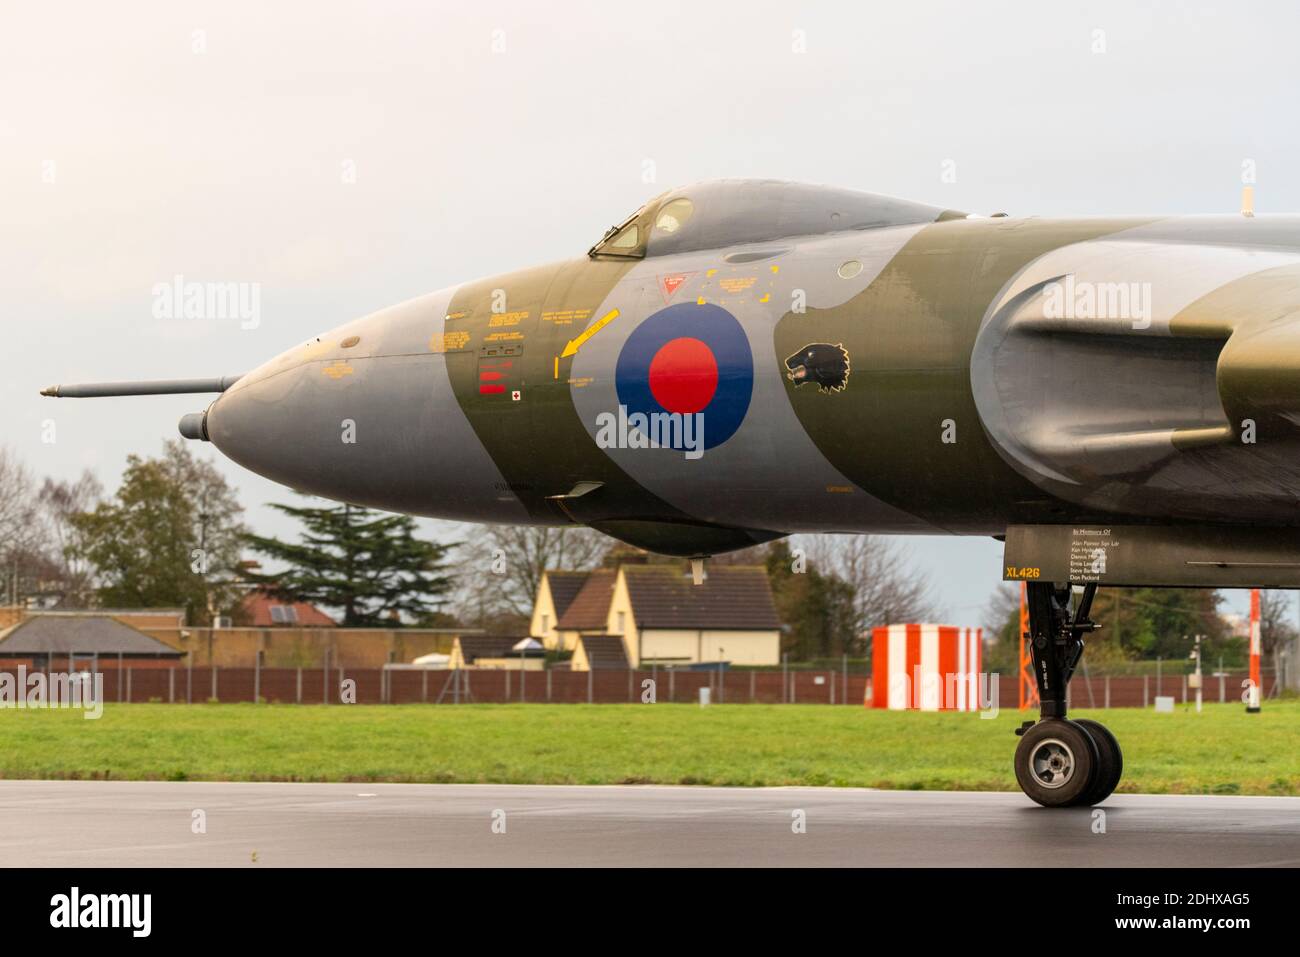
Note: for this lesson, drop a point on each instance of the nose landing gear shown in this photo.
(1061, 762)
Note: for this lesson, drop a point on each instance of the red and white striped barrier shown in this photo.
(1253, 688)
(925, 668)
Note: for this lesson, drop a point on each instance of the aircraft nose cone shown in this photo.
(261, 424)
(365, 414)
(330, 426)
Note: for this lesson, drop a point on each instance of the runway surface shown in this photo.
(92, 823)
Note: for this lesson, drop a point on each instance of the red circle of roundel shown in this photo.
(683, 375)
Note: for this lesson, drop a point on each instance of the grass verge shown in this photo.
(1222, 751)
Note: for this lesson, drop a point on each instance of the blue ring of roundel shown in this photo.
(717, 329)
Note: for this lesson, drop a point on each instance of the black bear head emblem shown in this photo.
(825, 365)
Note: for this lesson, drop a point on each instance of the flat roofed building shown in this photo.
(496, 651)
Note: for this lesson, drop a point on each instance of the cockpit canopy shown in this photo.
(729, 212)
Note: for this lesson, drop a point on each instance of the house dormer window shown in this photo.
(284, 615)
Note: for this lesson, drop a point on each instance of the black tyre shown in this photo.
(1110, 761)
(1056, 762)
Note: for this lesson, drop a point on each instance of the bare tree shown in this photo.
(1001, 606)
(886, 588)
(20, 528)
(499, 567)
(17, 501)
(59, 501)
(1001, 616)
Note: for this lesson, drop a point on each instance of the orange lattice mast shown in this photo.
(1028, 686)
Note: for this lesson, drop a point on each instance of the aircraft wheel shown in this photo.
(1110, 764)
(1056, 762)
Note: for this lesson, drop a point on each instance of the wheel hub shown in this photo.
(1052, 763)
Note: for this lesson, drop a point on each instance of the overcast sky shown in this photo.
(213, 141)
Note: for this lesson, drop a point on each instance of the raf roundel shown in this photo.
(685, 359)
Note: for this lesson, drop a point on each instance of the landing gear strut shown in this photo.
(1060, 762)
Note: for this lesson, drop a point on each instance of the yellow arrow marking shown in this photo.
(573, 345)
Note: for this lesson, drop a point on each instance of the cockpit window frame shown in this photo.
(643, 219)
(604, 250)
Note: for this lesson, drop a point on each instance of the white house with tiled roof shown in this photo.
(555, 593)
(662, 618)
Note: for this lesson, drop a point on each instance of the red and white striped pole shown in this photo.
(1253, 690)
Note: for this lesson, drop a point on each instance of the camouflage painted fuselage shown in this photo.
(858, 365)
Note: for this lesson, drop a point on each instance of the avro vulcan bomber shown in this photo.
(1117, 399)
